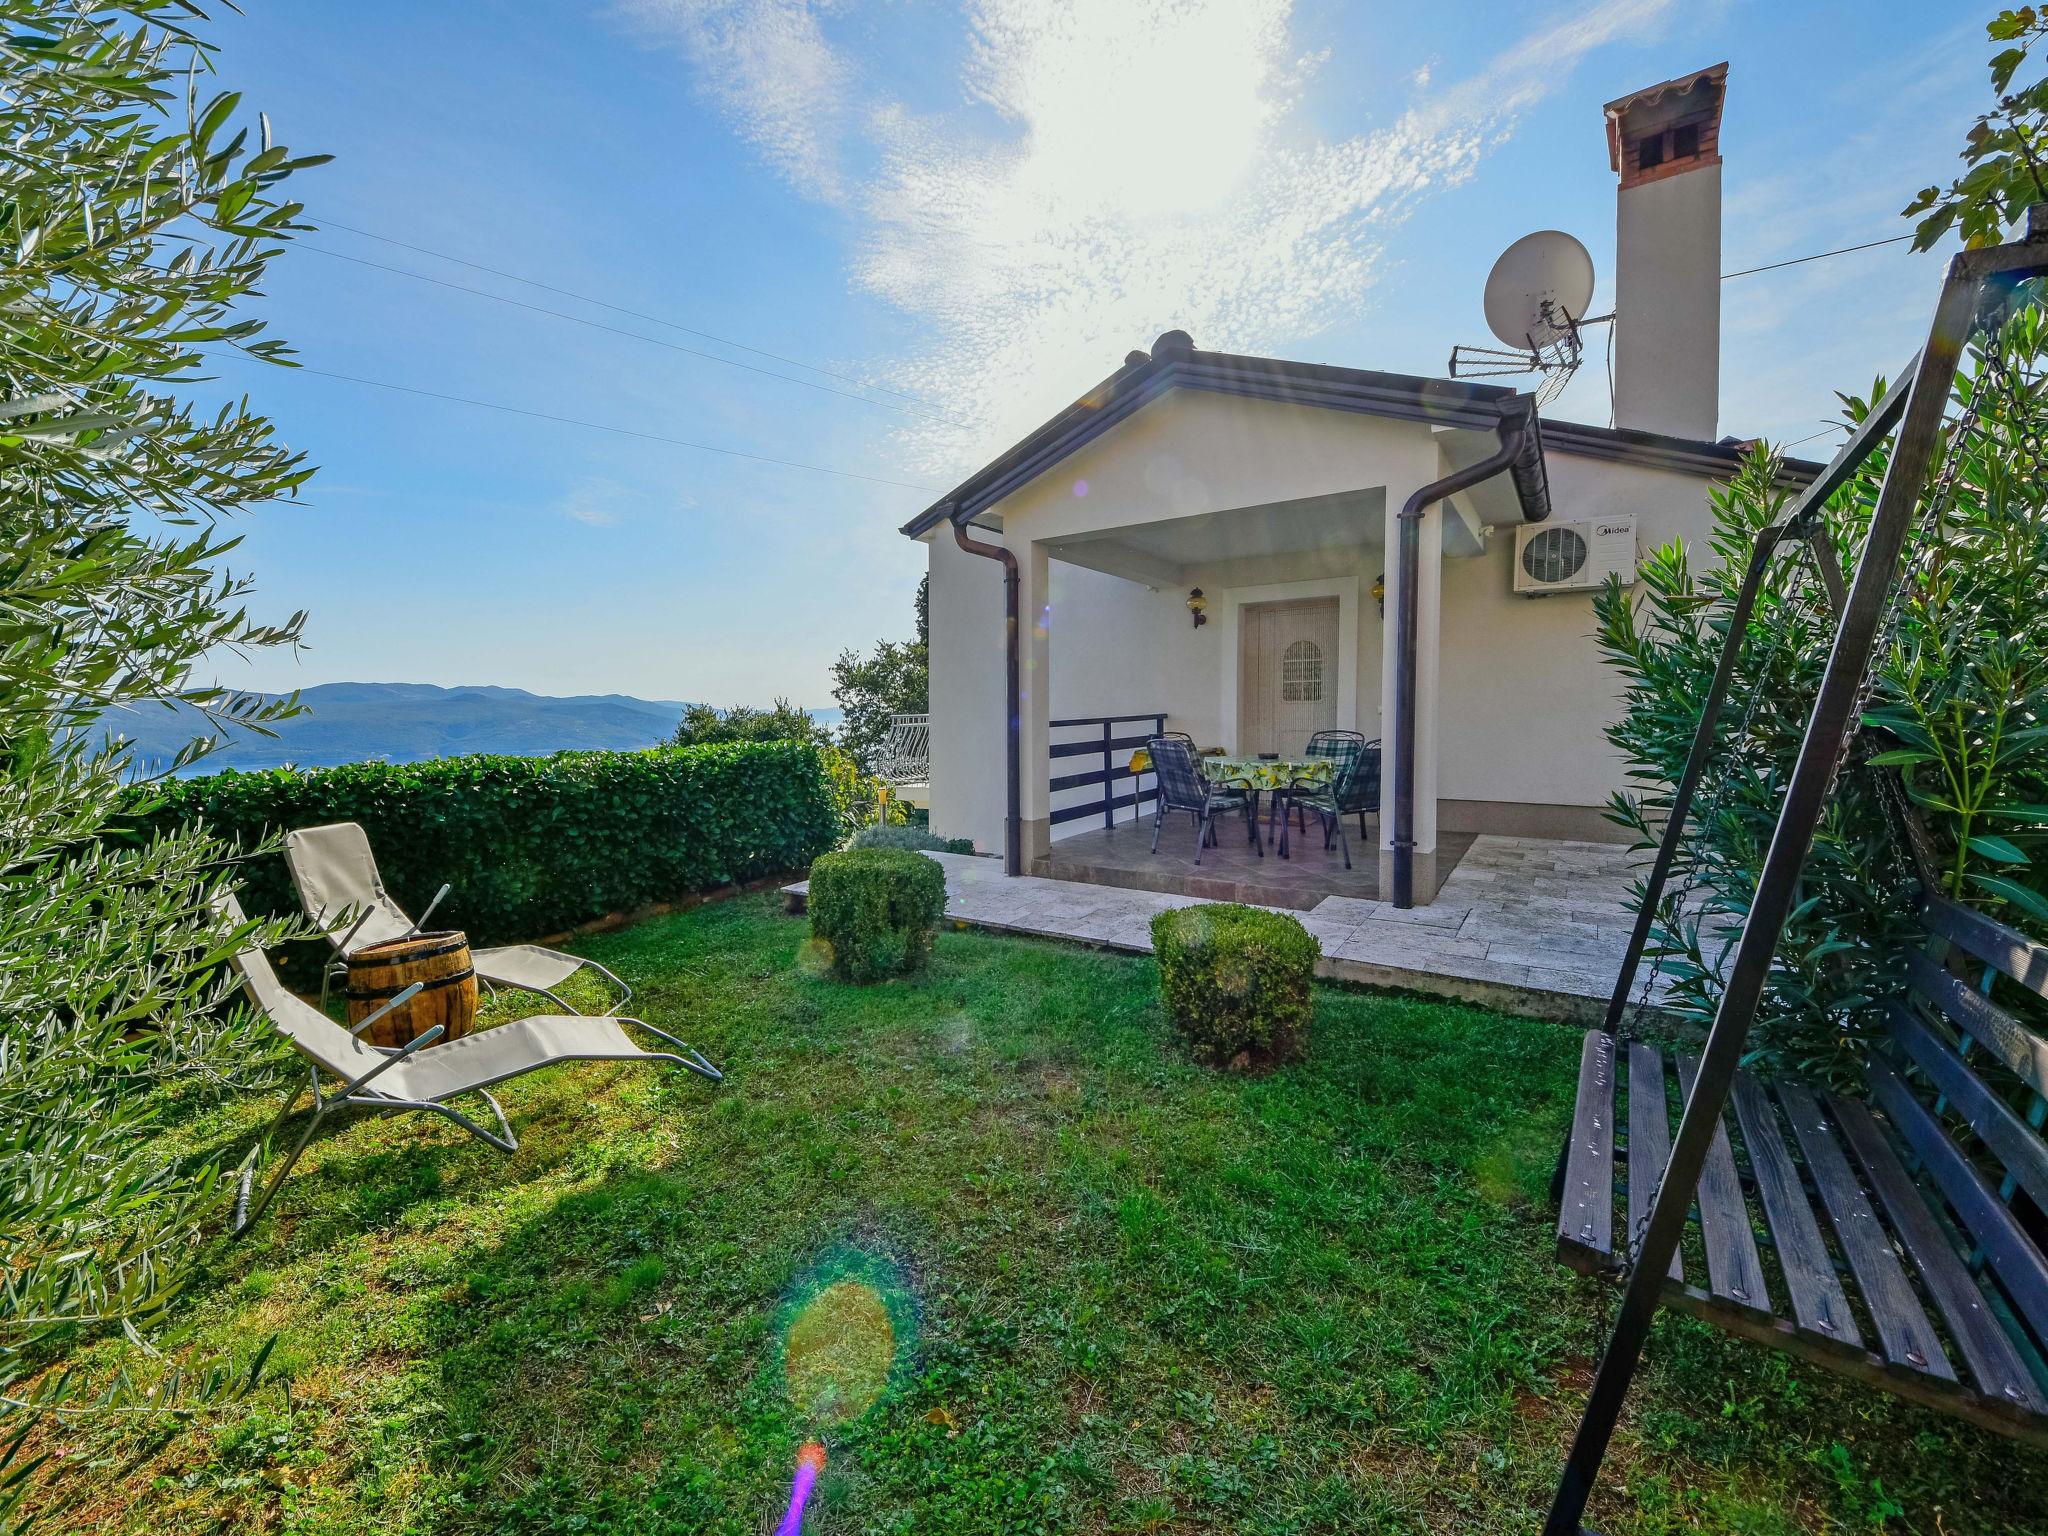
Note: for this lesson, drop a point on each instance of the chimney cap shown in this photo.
(1714, 76)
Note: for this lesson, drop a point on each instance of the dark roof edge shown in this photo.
(1654, 450)
(1174, 363)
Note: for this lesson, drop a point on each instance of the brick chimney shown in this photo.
(1666, 144)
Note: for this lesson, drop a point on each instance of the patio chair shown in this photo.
(423, 1075)
(1359, 794)
(1182, 787)
(1354, 767)
(1137, 809)
(342, 893)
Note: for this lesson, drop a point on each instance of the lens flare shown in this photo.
(846, 1333)
(810, 1461)
(839, 1353)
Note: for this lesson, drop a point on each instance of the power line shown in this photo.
(637, 314)
(1816, 256)
(597, 325)
(604, 426)
(1823, 432)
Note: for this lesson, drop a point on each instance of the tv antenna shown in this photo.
(1536, 301)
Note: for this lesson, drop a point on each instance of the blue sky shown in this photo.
(965, 215)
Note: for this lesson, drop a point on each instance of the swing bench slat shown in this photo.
(1879, 1214)
(1649, 1138)
(1735, 1272)
(1905, 1333)
(1818, 1305)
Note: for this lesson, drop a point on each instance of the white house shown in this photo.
(1280, 490)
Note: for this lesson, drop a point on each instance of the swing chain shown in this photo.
(2021, 419)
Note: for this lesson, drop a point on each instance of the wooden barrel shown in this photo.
(447, 996)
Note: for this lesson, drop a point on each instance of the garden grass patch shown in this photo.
(1146, 1296)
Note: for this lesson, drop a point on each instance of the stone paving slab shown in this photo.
(1527, 925)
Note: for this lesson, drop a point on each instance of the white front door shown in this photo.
(1287, 674)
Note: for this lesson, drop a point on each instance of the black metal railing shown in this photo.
(1102, 741)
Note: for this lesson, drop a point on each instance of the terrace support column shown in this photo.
(1034, 617)
(1428, 613)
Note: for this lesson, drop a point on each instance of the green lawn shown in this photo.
(1145, 1297)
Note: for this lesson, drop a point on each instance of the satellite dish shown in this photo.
(1539, 287)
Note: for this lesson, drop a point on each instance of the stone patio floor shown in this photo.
(1528, 925)
(1230, 871)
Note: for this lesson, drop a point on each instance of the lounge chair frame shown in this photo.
(341, 926)
(361, 1090)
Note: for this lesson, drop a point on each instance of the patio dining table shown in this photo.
(1256, 776)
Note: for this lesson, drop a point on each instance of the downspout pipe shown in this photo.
(1013, 823)
(1515, 434)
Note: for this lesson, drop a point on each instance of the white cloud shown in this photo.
(1115, 171)
(596, 503)
(767, 65)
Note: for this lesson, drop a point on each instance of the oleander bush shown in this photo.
(875, 909)
(917, 839)
(1236, 981)
(1960, 691)
(534, 845)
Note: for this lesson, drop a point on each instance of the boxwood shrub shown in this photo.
(534, 845)
(1235, 982)
(875, 910)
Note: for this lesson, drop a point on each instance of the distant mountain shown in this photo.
(410, 722)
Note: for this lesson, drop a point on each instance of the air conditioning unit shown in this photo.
(1574, 557)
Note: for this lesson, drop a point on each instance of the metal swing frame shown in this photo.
(1918, 406)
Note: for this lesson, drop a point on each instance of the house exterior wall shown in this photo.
(1525, 699)
(1347, 574)
(968, 738)
(1112, 649)
(1195, 451)
(1189, 453)
(1522, 698)
(1117, 646)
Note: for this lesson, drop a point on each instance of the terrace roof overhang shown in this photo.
(1454, 406)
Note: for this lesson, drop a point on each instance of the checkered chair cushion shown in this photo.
(1181, 785)
(1350, 757)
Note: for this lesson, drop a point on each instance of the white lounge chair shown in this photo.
(425, 1074)
(342, 893)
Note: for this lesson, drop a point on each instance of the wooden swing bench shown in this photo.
(1933, 1165)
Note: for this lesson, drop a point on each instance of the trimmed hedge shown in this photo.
(1236, 981)
(877, 835)
(875, 909)
(534, 845)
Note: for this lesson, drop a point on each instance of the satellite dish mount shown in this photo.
(1536, 301)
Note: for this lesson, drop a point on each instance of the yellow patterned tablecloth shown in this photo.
(1267, 773)
(1252, 772)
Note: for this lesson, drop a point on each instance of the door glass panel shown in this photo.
(1301, 673)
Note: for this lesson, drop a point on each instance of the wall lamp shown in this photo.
(1196, 603)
